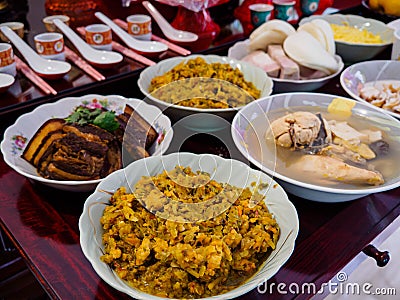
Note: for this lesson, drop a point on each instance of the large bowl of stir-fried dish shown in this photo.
(202, 91)
(327, 148)
(187, 226)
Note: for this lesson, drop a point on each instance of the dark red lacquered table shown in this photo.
(43, 224)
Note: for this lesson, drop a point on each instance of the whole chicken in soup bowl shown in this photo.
(327, 148)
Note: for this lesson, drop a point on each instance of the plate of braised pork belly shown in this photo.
(74, 143)
(299, 60)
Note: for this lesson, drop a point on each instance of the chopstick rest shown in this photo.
(33, 77)
(82, 64)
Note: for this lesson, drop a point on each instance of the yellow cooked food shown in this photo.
(199, 84)
(351, 34)
(186, 259)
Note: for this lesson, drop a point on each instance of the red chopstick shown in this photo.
(82, 64)
(172, 46)
(132, 54)
(125, 51)
(33, 77)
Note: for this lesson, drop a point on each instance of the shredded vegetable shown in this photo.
(186, 260)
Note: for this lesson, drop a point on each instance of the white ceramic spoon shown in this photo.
(51, 69)
(169, 31)
(144, 47)
(99, 58)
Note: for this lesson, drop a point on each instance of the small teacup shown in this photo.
(308, 7)
(17, 27)
(139, 26)
(285, 10)
(99, 36)
(50, 45)
(260, 13)
(49, 24)
(7, 62)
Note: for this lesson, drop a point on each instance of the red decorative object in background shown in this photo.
(80, 12)
(194, 16)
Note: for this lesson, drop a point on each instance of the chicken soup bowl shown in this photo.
(327, 148)
(172, 89)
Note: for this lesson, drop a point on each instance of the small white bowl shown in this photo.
(251, 144)
(222, 170)
(6, 80)
(354, 52)
(240, 50)
(354, 77)
(197, 119)
(17, 136)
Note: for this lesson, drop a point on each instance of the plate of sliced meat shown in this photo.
(297, 61)
(74, 143)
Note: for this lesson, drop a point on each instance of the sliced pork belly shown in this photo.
(262, 60)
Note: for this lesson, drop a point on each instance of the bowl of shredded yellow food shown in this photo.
(357, 38)
(203, 92)
(187, 226)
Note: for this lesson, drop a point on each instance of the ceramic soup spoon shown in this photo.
(50, 69)
(169, 31)
(98, 58)
(144, 47)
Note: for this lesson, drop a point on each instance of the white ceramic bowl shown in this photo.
(222, 170)
(17, 136)
(198, 119)
(354, 52)
(354, 77)
(240, 50)
(6, 81)
(242, 137)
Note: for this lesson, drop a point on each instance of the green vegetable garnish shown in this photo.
(106, 120)
(103, 119)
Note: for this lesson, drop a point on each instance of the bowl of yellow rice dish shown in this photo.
(187, 226)
(357, 38)
(203, 92)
